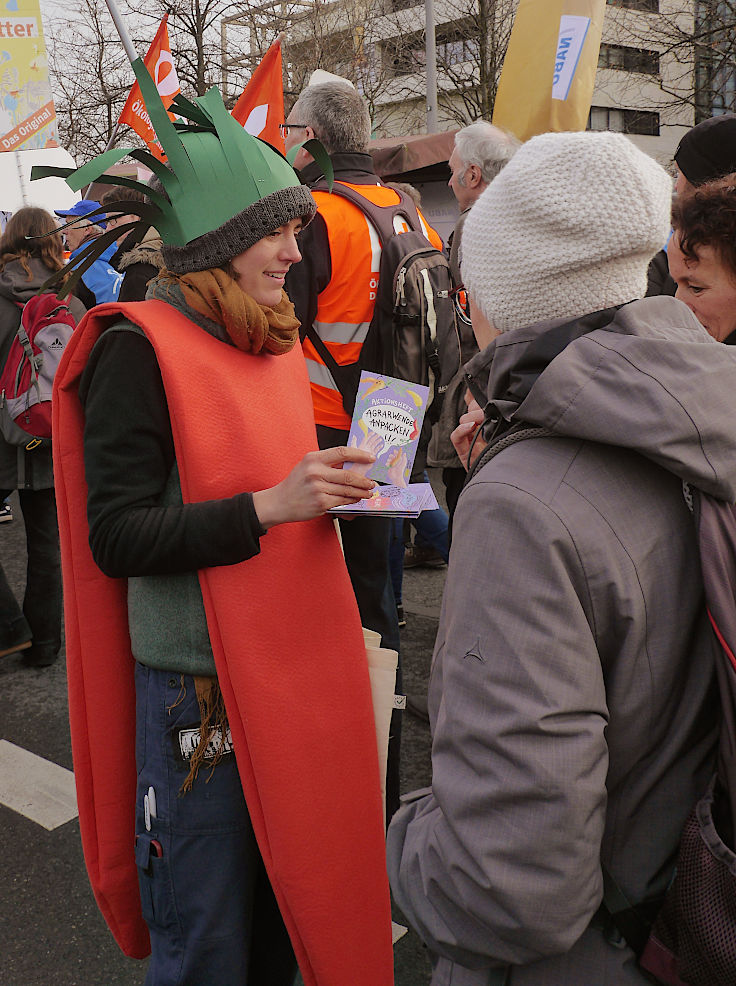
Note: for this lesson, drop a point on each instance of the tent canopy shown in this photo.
(17, 189)
(419, 157)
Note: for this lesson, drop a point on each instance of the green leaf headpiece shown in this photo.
(224, 189)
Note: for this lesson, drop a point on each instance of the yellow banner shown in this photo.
(27, 115)
(549, 71)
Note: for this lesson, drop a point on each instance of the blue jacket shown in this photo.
(101, 278)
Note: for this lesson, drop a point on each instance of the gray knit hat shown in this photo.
(567, 228)
(242, 231)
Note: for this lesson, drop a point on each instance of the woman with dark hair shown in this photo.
(24, 267)
(702, 255)
(28, 222)
(706, 153)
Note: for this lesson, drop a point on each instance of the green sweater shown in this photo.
(166, 617)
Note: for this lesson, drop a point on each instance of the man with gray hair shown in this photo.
(338, 116)
(481, 151)
(334, 291)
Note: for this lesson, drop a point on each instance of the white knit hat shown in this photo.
(567, 228)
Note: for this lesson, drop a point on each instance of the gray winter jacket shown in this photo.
(571, 696)
(30, 470)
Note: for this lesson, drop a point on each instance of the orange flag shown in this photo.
(160, 64)
(260, 108)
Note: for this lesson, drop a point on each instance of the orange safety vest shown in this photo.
(307, 757)
(345, 307)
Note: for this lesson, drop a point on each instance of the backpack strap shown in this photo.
(518, 432)
(633, 921)
(381, 216)
(344, 376)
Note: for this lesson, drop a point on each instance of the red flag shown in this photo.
(160, 64)
(260, 108)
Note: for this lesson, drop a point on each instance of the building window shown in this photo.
(651, 6)
(456, 43)
(407, 56)
(629, 59)
(624, 121)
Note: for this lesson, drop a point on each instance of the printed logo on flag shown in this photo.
(165, 77)
(260, 108)
(160, 65)
(573, 32)
(257, 119)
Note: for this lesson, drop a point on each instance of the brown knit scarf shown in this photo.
(252, 327)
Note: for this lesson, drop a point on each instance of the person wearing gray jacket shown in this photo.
(25, 266)
(572, 697)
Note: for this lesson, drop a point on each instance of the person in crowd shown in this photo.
(706, 152)
(571, 696)
(197, 553)
(115, 217)
(332, 293)
(100, 282)
(25, 265)
(429, 547)
(480, 152)
(702, 255)
(138, 255)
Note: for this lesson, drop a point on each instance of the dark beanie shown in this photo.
(708, 151)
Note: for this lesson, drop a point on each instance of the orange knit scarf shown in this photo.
(252, 327)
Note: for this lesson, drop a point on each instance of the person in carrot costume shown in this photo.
(230, 806)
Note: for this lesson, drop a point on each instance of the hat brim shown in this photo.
(242, 231)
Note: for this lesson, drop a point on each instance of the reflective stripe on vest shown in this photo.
(345, 307)
(341, 332)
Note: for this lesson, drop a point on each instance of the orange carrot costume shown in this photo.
(286, 637)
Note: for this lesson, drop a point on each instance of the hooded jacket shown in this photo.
(571, 698)
(139, 263)
(16, 289)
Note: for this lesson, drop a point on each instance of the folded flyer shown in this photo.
(387, 422)
(392, 501)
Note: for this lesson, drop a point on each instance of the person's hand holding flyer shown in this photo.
(386, 422)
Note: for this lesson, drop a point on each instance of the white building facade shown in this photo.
(644, 87)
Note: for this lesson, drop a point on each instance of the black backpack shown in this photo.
(414, 312)
(688, 938)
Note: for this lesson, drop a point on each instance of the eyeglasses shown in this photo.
(284, 128)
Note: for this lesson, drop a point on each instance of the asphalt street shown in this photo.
(50, 929)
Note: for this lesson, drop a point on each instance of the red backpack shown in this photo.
(27, 378)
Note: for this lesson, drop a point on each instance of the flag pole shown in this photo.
(132, 55)
(431, 67)
(122, 30)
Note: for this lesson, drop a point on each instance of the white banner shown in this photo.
(573, 32)
(27, 115)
